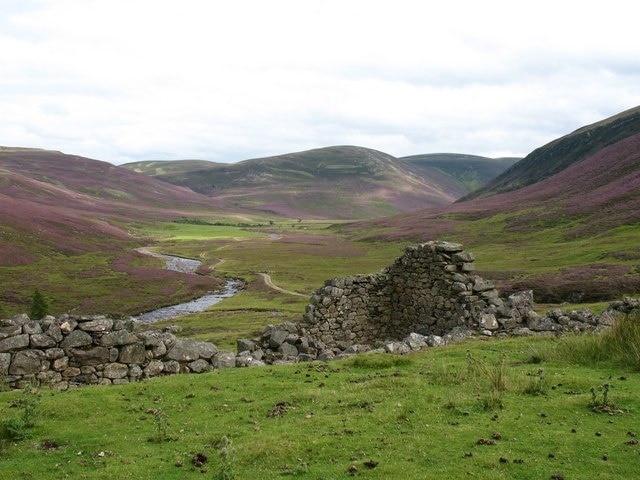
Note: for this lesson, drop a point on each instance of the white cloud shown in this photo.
(124, 80)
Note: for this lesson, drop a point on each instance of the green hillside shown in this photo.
(469, 172)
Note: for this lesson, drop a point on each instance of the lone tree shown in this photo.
(39, 306)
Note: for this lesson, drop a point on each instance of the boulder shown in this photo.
(10, 331)
(115, 370)
(224, 359)
(199, 366)
(41, 340)
(91, 356)
(13, 344)
(77, 338)
(28, 362)
(102, 324)
(5, 361)
(245, 345)
(32, 328)
(132, 353)
(154, 368)
(187, 350)
(119, 337)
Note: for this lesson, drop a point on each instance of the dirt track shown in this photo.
(267, 280)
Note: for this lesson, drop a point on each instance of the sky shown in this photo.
(228, 80)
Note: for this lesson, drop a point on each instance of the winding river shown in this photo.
(186, 265)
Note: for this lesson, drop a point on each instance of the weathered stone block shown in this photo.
(155, 367)
(91, 356)
(10, 331)
(115, 370)
(132, 353)
(135, 372)
(28, 362)
(68, 326)
(120, 337)
(41, 340)
(5, 361)
(13, 344)
(171, 366)
(55, 332)
(288, 350)
(224, 359)
(77, 338)
(32, 328)
(245, 345)
(187, 350)
(488, 321)
(70, 372)
(97, 325)
(200, 366)
(54, 353)
(278, 336)
(60, 364)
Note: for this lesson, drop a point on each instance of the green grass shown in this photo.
(242, 316)
(419, 416)
(195, 232)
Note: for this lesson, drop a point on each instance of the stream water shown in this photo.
(187, 265)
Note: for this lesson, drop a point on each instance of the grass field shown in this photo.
(484, 409)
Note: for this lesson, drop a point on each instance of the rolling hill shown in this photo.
(573, 227)
(64, 220)
(341, 182)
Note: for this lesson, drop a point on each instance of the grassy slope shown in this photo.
(336, 182)
(413, 417)
(467, 172)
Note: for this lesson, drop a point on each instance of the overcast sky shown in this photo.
(227, 80)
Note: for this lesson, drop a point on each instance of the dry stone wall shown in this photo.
(428, 297)
(83, 350)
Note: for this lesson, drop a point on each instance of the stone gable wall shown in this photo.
(430, 290)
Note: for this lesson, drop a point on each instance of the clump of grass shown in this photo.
(620, 345)
(622, 342)
(490, 378)
(226, 452)
(537, 384)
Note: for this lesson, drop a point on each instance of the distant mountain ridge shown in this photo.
(340, 182)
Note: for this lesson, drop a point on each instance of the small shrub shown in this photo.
(600, 401)
(16, 429)
(161, 425)
(39, 306)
